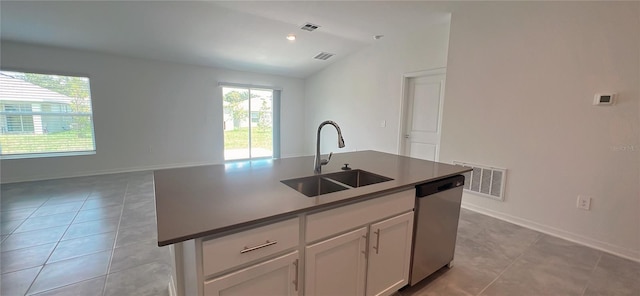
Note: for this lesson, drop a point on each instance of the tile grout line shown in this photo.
(31, 216)
(115, 241)
(510, 264)
(54, 248)
(13, 231)
(67, 285)
(25, 219)
(39, 244)
(593, 270)
(55, 243)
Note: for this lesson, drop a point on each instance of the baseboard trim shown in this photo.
(106, 172)
(572, 237)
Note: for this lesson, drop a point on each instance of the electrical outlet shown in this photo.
(584, 202)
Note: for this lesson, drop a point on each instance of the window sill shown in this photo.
(42, 155)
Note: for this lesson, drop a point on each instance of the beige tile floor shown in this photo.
(494, 257)
(82, 236)
(96, 236)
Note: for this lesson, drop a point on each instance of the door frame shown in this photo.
(404, 105)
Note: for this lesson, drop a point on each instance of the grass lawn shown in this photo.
(239, 138)
(55, 142)
(69, 141)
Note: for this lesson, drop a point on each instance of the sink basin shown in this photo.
(323, 184)
(357, 178)
(314, 185)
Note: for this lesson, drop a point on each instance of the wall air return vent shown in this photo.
(309, 27)
(323, 56)
(485, 181)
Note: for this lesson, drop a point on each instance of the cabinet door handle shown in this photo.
(377, 246)
(295, 281)
(364, 252)
(266, 244)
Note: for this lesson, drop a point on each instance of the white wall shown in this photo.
(147, 114)
(363, 89)
(520, 83)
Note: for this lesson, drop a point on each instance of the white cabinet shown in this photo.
(225, 252)
(358, 249)
(331, 222)
(263, 260)
(389, 254)
(277, 277)
(337, 266)
(371, 260)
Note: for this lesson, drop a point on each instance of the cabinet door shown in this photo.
(337, 266)
(275, 277)
(389, 254)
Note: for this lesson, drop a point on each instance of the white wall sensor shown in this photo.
(604, 99)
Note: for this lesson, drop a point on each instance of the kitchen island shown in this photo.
(220, 218)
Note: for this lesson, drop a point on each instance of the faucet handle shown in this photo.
(326, 161)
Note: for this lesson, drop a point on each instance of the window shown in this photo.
(250, 122)
(44, 115)
(18, 123)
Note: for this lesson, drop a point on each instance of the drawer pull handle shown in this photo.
(266, 244)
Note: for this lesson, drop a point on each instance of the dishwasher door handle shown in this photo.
(445, 187)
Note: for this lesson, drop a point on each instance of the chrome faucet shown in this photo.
(319, 162)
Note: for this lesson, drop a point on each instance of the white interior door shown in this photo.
(423, 116)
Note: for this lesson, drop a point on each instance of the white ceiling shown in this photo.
(248, 36)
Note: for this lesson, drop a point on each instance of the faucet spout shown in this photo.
(319, 162)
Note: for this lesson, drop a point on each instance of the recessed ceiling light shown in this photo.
(291, 37)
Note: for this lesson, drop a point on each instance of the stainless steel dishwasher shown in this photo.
(436, 226)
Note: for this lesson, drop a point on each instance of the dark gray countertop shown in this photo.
(193, 202)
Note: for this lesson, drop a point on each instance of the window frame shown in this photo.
(91, 115)
(276, 103)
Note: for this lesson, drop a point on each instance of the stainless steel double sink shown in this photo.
(333, 182)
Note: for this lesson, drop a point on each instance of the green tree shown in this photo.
(74, 87)
(264, 119)
(77, 88)
(235, 99)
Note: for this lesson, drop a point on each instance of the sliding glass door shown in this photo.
(248, 122)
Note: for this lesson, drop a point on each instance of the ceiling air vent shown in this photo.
(309, 27)
(323, 56)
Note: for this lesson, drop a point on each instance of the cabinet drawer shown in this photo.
(278, 276)
(232, 250)
(330, 222)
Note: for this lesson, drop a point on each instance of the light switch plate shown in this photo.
(584, 202)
